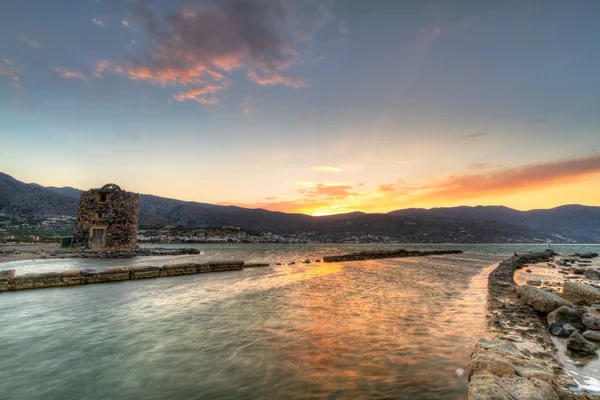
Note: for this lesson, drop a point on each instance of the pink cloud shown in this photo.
(97, 22)
(69, 74)
(197, 46)
(7, 68)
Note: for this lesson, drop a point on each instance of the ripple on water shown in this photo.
(398, 328)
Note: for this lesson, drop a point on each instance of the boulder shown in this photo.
(570, 329)
(591, 321)
(541, 300)
(558, 330)
(535, 282)
(566, 315)
(580, 345)
(577, 270)
(580, 292)
(490, 387)
(592, 274)
(592, 335)
(588, 255)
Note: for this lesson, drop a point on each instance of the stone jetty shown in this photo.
(377, 254)
(519, 360)
(8, 280)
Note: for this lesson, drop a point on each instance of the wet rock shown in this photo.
(541, 300)
(528, 271)
(570, 329)
(292, 263)
(558, 330)
(535, 282)
(254, 265)
(592, 274)
(578, 271)
(591, 321)
(566, 315)
(278, 264)
(498, 370)
(317, 260)
(592, 335)
(588, 255)
(580, 292)
(581, 345)
(144, 272)
(307, 261)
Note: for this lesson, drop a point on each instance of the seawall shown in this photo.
(8, 280)
(378, 254)
(518, 360)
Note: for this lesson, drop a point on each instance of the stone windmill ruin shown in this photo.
(107, 218)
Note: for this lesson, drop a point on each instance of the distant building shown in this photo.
(107, 218)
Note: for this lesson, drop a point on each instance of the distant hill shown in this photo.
(466, 224)
(31, 200)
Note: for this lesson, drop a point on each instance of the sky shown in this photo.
(317, 107)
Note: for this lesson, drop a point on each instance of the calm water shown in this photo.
(382, 329)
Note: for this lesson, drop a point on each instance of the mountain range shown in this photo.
(463, 224)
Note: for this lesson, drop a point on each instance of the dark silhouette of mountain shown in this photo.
(31, 200)
(466, 224)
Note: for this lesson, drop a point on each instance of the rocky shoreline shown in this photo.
(378, 254)
(519, 359)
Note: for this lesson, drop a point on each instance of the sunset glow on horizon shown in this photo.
(314, 107)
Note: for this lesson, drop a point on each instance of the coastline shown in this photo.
(519, 359)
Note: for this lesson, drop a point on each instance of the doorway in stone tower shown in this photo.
(97, 237)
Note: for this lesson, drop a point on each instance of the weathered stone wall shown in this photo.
(112, 213)
(8, 280)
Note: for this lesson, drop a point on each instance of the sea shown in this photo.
(380, 329)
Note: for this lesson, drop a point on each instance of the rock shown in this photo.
(579, 344)
(541, 300)
(7, 273)
(528, 271)
(307, 261)
(580, 292)
(317, 260)
(278, 264)
(490, 387)
(535, 282)
(588, 255)
(578, 271)
(566, 315)
(592, 274)
(591, 321)
(592, 335)
(292, 263)
(570, 329)
(557, 330)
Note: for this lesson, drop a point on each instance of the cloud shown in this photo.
(7, 68)
(27, 40)
(246, 106)
(97, 22)
(199, 46)
(475, 135)
(69, 74)
(326, 168)
(125, 23)
(327, 190)
(507, 181)
(204, 95)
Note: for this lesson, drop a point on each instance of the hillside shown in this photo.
(466, 224)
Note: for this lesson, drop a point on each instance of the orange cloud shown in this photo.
(201, 95)
(513, 180)
(68, 74)
(328, 198)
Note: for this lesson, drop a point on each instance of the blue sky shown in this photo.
(310, 106)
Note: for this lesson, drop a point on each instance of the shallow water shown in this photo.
(395, 328)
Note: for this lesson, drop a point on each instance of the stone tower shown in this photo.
(107, 218)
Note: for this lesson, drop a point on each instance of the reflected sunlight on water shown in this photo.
(395, 328)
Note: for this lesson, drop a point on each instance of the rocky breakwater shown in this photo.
(519, 360)
(9, 281)
(377, 254)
